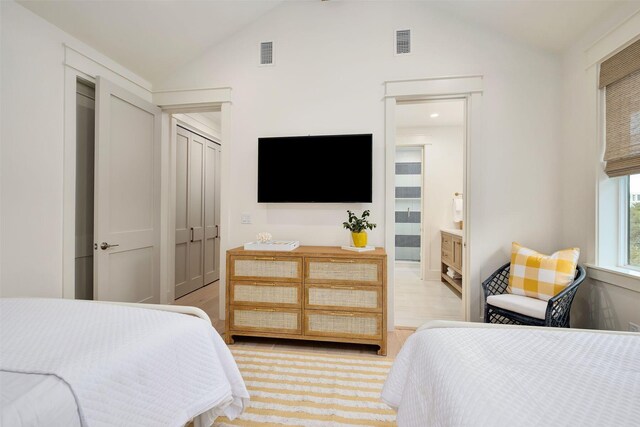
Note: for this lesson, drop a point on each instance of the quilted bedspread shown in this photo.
(124, 365)
(452, 375)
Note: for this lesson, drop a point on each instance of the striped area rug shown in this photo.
(311, 389)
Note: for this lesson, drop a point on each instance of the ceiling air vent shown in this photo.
(403, 42)
(266, 53)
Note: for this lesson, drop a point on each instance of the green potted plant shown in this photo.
(358, 227)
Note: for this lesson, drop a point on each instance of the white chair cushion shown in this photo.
(532, 307)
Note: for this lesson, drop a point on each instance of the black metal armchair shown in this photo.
(558, 307)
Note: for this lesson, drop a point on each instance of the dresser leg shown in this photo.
(228, 338)
(382, 351)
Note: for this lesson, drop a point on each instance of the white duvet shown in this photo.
(123, 365)
(451, 375)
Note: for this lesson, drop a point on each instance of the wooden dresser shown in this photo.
(319, 293)
(451, 257)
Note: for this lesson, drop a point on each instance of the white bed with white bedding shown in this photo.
(470, 374)
(66, 363)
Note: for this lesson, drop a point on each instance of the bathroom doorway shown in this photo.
(429, 177)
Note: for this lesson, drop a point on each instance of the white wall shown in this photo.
(602, 305)
(598, 304)
(331, 59)
(443, 176)
(32, 142)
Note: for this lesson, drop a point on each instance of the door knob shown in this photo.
(104, 246)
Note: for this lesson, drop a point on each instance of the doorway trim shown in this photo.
(78, 65)
(193, 101)
(469, 88)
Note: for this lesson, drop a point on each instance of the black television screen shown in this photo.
(315, 169)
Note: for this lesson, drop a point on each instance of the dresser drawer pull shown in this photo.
(263, 309)
(334, 313)
(265, 258)
(342, 260)
(342, 287)
(266, 284)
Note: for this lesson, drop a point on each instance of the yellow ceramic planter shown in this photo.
(359, 239)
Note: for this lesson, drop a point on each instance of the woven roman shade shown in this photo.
(620, 65)
(620, 75)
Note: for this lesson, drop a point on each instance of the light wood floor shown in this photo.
(418, 301)
(207, 298)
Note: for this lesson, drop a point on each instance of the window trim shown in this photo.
(601, 265)
(623, 223)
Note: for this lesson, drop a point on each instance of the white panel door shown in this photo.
(217, 213)
(127, 197)
(190, 211)
(211, 212)
(196, 212)
(183, 233)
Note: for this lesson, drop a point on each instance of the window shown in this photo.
(633, 221)
(619, 196)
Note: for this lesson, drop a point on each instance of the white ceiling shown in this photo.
(551, 25)
(154, 38)
(151, 38)
(417, 115)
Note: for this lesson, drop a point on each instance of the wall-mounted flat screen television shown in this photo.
(315, 169)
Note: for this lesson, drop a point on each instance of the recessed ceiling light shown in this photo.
(434, 115)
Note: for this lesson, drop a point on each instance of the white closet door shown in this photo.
(183, 233)
(127, 197)
(197, 148)
(217, 213)
(190, 214)
(211, 208)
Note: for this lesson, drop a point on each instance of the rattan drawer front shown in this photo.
(267, 294)
(270, 268)
(334, 297)
(337, 324)
(265, 320)
(340, 270)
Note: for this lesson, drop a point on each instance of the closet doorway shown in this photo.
(197, 244)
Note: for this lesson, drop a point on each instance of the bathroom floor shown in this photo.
(418, 301)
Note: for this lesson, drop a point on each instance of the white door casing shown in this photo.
(212, 214)
(464, 87)
(127, 196)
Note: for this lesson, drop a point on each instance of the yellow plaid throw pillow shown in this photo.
(535, 275)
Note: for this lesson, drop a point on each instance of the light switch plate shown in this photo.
(245, 218)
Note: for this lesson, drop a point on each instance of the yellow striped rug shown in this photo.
(311, 389)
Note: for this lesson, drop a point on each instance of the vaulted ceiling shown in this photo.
(552, 25)
(153, 38)
(150, 37)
